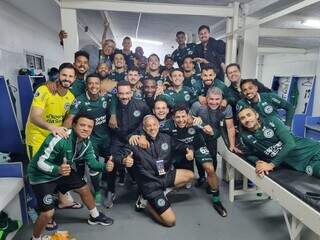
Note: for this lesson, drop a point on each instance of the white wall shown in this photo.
(292, 64)
(288, 64)
(20, 33)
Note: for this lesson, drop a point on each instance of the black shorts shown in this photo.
(46, 193)
(160, 203)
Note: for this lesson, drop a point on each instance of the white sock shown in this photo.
(94, 212)
(34, 238)
(167, 191)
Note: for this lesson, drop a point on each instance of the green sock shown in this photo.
(215, 195)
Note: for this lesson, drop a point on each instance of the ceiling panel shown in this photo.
(306, 43)
(199, 2)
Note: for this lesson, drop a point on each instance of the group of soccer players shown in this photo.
(132, 116)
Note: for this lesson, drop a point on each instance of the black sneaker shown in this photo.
(200, 182)
(220, 209)
(101, 219)
(121, 181)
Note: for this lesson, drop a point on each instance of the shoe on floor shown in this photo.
(108, 202)
(101, 219)
(220, 209)
(141, 204)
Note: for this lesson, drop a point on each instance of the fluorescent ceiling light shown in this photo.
(311, 23)
(140, 40)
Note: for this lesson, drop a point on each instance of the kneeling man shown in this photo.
(154, 171)
(59, 166)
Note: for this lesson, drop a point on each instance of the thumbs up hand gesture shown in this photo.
(189, 154)
(128, 160)
(110, 164)
(65, 168)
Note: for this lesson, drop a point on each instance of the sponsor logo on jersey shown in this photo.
(273, 150)
(268, 133)
(136, 113)
(161, 202)
(268, 109)
(276, 100)
(164, 146)
(191, 131)
(48, 199)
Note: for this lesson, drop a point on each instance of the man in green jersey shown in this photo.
(183, 49)
(55, 167)
(192, 78)
(119, 73)
(192, 136)
(266, 104)
(178, 94)
(153, 70)
(81, 64)
(99, 107)
(269, 143)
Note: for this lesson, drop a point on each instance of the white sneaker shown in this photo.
(141, 203)
(189, 185)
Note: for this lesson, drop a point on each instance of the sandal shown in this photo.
(74, 205)
(52, 226)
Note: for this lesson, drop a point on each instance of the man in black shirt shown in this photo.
(210, 50)
(154, 171)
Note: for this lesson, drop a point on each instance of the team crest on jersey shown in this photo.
(136, 113)
(161, 202)
(268, 133)
(268, 109)
(66, 106)
(164, 146)
(309, 170)
(37, 94)
(204, 150)
(190, 52)
(104, 104)
(193, 81)
(187, 97)
(191, 131)
(48, 199)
